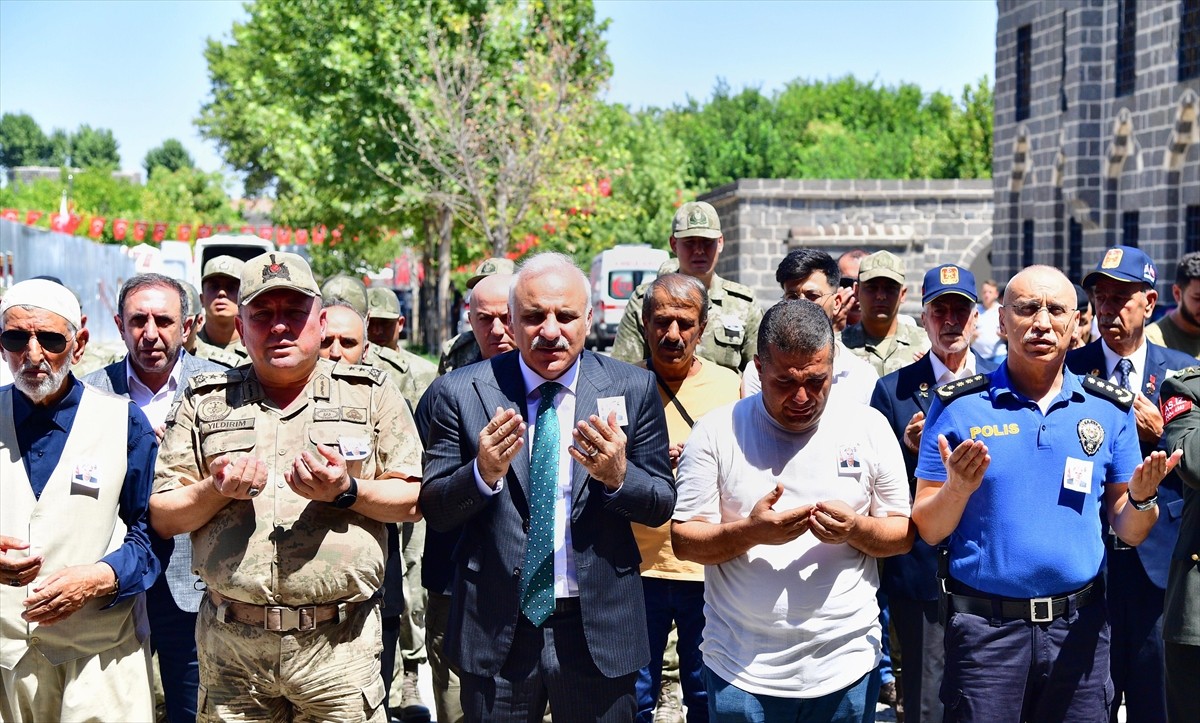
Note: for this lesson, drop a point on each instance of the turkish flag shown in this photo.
(285, 236)
(302, 237)
(247, 229)
(224, 228)
(58, 222)
(32, 217)
(96, 226)
(337, 235)
(319, 235)
(10, 214)
(160, 231)
(184, 232)
(266, 232)
(139, 231)
(73, 222)
(204, 231)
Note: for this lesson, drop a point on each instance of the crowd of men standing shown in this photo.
(989, 513)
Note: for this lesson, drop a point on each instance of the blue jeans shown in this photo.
(853, 704)
(886, 674)
(683, 602)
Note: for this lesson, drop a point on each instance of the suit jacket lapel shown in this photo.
(592, 379)
(506, 389)
(923, 374)
(1154, 374)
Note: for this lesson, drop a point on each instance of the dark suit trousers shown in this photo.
(549, 663)
(173, 637)
(1183, 686)
(922, 638)
(1135, 609)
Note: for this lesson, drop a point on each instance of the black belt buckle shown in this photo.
(1041, 610)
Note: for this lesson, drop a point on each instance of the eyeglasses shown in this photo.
(16, 340)
(1059, 314)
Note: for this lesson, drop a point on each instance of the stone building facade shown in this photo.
(1096, 139)
(925, 222)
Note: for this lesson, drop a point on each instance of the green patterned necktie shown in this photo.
(537, 576)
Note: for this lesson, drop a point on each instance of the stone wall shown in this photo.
(925, 222)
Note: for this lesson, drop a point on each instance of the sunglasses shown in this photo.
(16, 340)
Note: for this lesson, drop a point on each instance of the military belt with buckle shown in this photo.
(280, 618)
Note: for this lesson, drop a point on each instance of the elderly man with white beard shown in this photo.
(75, 472)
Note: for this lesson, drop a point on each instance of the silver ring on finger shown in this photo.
(253, 491)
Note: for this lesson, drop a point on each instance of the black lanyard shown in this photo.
(671, 395)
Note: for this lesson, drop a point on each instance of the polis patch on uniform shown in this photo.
(1091, 436)
(212, 409)
(1173, 407)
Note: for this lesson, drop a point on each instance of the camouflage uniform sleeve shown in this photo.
(630, 344)
(397, 444)
(750, 348)
(179, 460)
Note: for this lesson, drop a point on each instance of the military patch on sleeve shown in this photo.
(950, 391)
(1119, 396)
(250, 391)
(321, 387)
(326, 414)
(354, 414)
(1173, 407)
(204, 380)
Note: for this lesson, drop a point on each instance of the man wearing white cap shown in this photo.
(74, 548)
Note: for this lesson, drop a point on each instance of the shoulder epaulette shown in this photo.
(738, 290)
(359, 371)
(1119, 396)
(392, 358)
(203, 380)
(950, 391)
(1185, 374)
(450, 344)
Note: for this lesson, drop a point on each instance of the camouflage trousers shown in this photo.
(330, 674)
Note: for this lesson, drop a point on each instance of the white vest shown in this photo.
(72, 523)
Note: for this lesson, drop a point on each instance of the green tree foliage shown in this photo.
(94, 148)
(170, 156)
(22, 142)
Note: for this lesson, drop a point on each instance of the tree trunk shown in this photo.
(444, 229)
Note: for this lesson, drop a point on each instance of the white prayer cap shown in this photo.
(43, 294)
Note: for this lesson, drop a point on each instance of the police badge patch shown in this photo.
(1091, 436)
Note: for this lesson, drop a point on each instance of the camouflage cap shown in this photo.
(382, 303)
(696, 219)
(494, 265)
(347, 289)
(193, 298)
(223, 266)
(276, 270)
(883, 264)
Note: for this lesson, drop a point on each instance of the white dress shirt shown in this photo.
(566, 582)
(1138, 357)
(155, 405)
(942, 373)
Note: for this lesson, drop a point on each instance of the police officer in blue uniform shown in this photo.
(1014, 470)
(904, 396)
(1122, 285)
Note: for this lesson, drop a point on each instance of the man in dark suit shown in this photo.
(1123, 294)
(547, 601)
(910, 580)
(153, 319)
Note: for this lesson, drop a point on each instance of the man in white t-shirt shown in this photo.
(807, 273)
(787, 501)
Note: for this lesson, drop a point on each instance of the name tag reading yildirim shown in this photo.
(354, 448)
(1077, 475)
(607, 405)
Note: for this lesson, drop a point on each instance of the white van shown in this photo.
(615, 274)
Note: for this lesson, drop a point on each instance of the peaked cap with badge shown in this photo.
(276, 270)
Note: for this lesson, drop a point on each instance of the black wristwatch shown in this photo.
(1145, 504)
(347, 499)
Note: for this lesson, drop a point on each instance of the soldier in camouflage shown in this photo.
(731, 336)
(464, 349)
(192, 343)
(880, 337)
(285, 472)
(219, 341)
(385, 322)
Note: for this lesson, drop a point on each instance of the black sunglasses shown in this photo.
(847, 283)
(16, 340)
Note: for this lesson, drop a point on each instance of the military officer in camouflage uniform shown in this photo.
(285, 471)
(879, 337)
(385, 321)
(219, 341)
(464, 349)
(731, 337)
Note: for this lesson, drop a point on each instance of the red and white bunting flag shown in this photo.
(266, 232)
(301, 237)
(204, 231)
(139, 231)
(336, 235)
(96, 226)
(59, 221)
(120, 228)
(319, 235)
(9, 214)
(73, 221)
(247, 230)
(184, 232)
(160, 231)
(32, 217)
(224, 228)
(284, 236)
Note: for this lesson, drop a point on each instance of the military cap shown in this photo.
(696, 218)
(346, 289)
(948, 279)
(223, 266)
(881, 264)
(1124, 263)
(276, 270)
(193, 299)
(494, 265)
(382, 303)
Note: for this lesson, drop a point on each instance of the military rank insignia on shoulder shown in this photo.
(1119, 396)
(359, 371)
(738, 290)
(950, 391)
(1185, 374)
(204, 380)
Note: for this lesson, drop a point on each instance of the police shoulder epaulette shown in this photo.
(203, 380)
(950, 391)
(738, 290)
(1120, 396)
(359, 371)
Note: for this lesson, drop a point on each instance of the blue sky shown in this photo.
(137, 67)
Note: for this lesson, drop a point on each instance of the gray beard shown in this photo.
(40, 391)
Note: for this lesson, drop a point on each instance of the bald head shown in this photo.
(489, 314)
(1039, 315)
